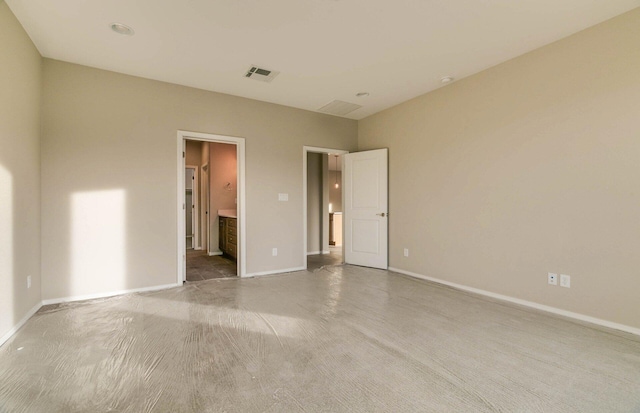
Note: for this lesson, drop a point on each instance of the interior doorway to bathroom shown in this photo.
(211, 207)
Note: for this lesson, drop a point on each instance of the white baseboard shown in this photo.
(214, 253)
(20, 323)
(282, 271)
(108, 294)
(326, 252)
(313, 253)
(531, 304)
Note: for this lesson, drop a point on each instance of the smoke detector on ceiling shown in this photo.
(261, 74)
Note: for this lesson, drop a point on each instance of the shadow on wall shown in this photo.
(97, 255)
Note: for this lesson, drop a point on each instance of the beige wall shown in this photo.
(335, 194)
(95, 125)
(529, 167)
(193, 153)
(317, 203)
(325, 204)
(20, 89)
(314, 202)
(204, 190)
(193, 157)
(224, 170)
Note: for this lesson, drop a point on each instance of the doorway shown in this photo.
(212, 240)
(365, 218)
(322, 195)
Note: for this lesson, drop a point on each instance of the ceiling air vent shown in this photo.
(339, 108)
(263, 75)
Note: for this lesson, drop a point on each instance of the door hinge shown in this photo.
(183, 206)
(183, 155)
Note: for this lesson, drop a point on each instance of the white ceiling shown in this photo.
(324, 49)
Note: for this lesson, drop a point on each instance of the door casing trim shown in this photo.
(241, 206)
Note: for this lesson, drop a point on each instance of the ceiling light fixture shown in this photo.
(362, 94)
(447, 79)
(122, 29)
(337, 185)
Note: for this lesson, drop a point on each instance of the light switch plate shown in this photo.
(565, 280)
(283, 197)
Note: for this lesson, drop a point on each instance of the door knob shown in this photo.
(382, 214)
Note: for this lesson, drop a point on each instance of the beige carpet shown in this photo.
(342, 339)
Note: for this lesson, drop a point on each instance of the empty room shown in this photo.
(320, 206)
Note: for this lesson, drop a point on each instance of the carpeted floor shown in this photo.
(201, 266)
(340, 339)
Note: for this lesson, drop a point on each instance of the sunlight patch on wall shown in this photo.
(6, 250)
(98, 223)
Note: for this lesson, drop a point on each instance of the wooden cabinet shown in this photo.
(228, 236)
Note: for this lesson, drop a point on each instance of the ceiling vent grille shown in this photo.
(339, 108)
(261, 74)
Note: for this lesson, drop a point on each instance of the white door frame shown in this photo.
(204, 172)
(305, 151)
(241, 207)
(195, 221)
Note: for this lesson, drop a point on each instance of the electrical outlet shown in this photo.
(283, 197)
(406, 252)
(565, 280)
(552, 278)
(274, 252)
(28, 281)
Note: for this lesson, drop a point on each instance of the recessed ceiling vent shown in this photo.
(261, 74)
(339, 108)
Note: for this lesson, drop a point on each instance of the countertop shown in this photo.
(228, 213)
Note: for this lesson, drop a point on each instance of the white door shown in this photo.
(365, 208)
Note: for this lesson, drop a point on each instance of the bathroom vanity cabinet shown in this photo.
(228, 236)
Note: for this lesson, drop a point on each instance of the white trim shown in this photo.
(212, 253)
(109, 294)
(531, 304)
(204, 173)
(242, 214)
(195, 211)
(305, 150)
(314, 252)
(20, 323)
(326, 252)
(281, 271)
